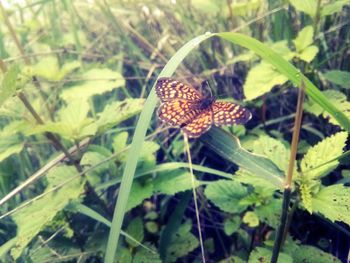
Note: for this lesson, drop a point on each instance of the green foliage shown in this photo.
(251, 219)
(231, 225)
(135, 229)
(9, 83)
(33, 218)
(319, 160)
(225, 194)
(261, 254)
(182, 243)
(333, 203)
(338, 77)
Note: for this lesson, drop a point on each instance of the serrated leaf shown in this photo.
(119, 111)
(9, 84)
(90, 159)
(47, 68)
(97, 81)
(333, 7)
(119, 141)
(139, 192)
(304, 38)
(226, 194)
(173, 182)
(336, 98)
(309, 254)
(270, 213)
(182, 243)
(273, 149)
(338, 77)
(136, 230)
(261, 79)
(263, 255)
(231, 225)
(333, 203)
(309, 7)
(251, 219)
(144, 255)
(306, 197)
(123, 255)
(10, 144)
(32, 218)
(323, 152)
(245, 177)
(73, 124)
(308, 54)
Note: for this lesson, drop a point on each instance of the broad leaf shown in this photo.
(9, 84)
(231, 225)
(338, 77)
(182, 243)
(33, 218)
(136, 230)
(226, 194)
(333, 203)
(261, 79)
(96, 81)
(304, 38)
(308, 54)
(251, 219)
(261, 254)
(118, 111)
(333, 7)
(309, 7)
(322, 153)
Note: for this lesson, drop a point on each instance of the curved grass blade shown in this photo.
(289, 71)
(137, 141)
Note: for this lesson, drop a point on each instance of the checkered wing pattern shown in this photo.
(170, 89)
(200, 124)
(226, 113)
(178, 112)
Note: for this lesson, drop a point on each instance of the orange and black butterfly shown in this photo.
(187, 108)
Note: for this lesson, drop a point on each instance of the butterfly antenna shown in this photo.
(194, 194)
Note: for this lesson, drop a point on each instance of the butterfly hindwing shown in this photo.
(169, 89)
(178, 112)
(200, 124)
(226, 113)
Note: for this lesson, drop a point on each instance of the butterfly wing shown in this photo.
(169, 89)
(226, 113)
(200, 124)
(178, 112)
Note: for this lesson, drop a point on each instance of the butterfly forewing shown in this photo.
(200, 124)
(169, 89)
(226, 113)
(178, 112)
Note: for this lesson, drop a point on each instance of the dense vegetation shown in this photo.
(89, 174)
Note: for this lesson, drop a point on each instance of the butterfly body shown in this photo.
(184, 106)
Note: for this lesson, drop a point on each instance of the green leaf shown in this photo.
(139, 192)
(333, 7)
(136, 230)
(273, 149)
(9, 84)
(143, 255)
(323, 152)
(173, 182)
(309, 254)
(309, 7)
(33, 218)
(182, 243)
(119, 141)
(261, 79)
(338, 77)
(123, 255)
(308, 54)
(97, 81)
(231, 225)
(47, 68)
(226, 194)
(74, 123)
(304, 38)
(337, 98)
(306, 196)
(270, 213)
(118, 111)
(232, 259)
(261, 254)
(9, 144)
(251, 219)
(333, 203)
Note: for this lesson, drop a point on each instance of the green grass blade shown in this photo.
(289, 71)
(133, 154)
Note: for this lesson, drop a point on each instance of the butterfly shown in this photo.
(185, 107)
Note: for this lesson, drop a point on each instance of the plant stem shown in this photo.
(194, 196)
(282, 230)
